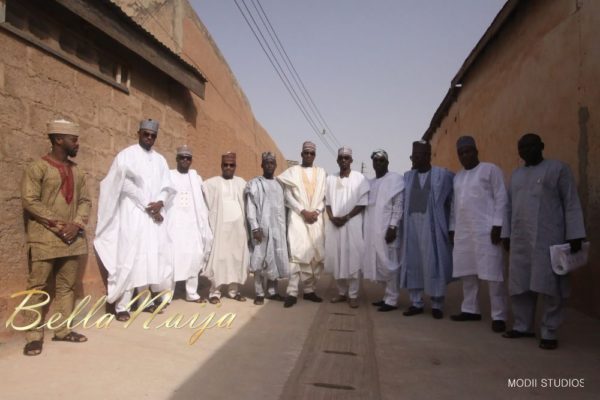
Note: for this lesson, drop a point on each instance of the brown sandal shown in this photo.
(33, 348)
(214, 300)
(72, 337)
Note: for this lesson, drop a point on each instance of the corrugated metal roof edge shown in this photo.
(456, 83)
(153, 38)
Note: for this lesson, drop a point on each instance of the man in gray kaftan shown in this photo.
(265, 211)
(544, 210)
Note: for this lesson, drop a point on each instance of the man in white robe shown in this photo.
(382, 230)
(131, 237)
(426, 251)
(229, 257)
(544, 210)
(265, 210)
(478, 208)
(188, 225)
(305, 199)
(346, 196)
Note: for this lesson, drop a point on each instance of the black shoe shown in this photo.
(498, 326)
(437, 313)
(412, 311)
(512, 334)
(259, 300)
(466, 316)
(312, 297)
(289, 301)
(378, 303)
(548, 344)
(275, 297)
(386, 307)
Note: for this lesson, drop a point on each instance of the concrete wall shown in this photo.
(540, 74)
(36, 87)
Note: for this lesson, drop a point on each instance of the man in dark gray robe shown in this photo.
(265, 211)
(544, 210)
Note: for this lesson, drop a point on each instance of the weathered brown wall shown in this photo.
(36, 87)
(540, 74)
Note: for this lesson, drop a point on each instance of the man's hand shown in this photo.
(68, 232)
(506, 244)
(154, 208)
(575, 245)
(339, 221)
(310, 217)
(257, 235)
(158, 218)
(451, 237)
(390, 234)
(495, 234)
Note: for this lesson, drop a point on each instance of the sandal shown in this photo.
(152, 307)
(33, 348)
(214, 300)
(123, 316)
(72, 337)
(239, 297)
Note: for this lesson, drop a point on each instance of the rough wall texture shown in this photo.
(540, 74)
(36, 87)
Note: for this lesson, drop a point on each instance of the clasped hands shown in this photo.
(310, 217)
(153, 211)
(67, 231)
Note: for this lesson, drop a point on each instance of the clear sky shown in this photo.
(377, 69)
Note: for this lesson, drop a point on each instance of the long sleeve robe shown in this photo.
(188, 225)
(306, 241)
(479, 203)
(229, 257)
(265, 209)
(544, 210)
(134, 249)
(435, 275)
(344, 245)
(386, 198)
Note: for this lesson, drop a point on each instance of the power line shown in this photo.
(306, 112)
(292, 69)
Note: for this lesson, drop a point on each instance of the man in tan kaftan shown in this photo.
(57, 205)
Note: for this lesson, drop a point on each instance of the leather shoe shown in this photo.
(513, 334)
(548, 344)
(498, 326)
(466, 316)
(312, 297)
(386, 307)
(378, 303)
(289, 301)
(412, 310)
(259, 300)
(437, 313)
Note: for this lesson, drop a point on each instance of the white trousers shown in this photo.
(191, 288)
(128, 294)
(497, 292)
(348, 287)
(260, 282)
(308, 274)
(523, 307)
(391, 294)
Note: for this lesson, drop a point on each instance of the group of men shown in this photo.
(418, 231)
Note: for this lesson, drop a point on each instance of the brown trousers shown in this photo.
(66, 275)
